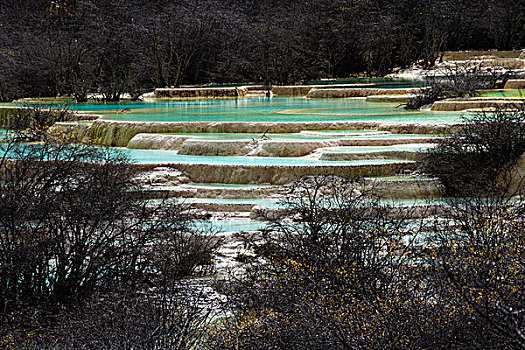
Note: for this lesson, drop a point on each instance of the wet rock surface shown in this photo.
(161, 176)
(356, 92)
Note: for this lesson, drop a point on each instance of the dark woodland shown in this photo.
(57, 48)
(87, 262)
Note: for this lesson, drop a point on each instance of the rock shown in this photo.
(515, 84)
(357, 92)
(349, 156)
(460, 105)
(210, 92)
(278, 174)
(278, 148)
(156, 141)
(303, 90)
(515, 178)
(407, 188)
(119, 133)
(200, 147)
(165, 176)
(390, 98)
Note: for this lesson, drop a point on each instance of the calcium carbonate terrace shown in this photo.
(232, 154)
(262, 109)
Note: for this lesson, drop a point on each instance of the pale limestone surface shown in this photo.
(515, 84)
(199, 147)
(263, 213)
(357, 92)
(165, 176)
(303, 90)
(390, 154)
(119, 133)
(156, 141)
(277, 174)
(205, 92)
(390, 98)
(407, 188)
(277, 148)
(461, 105)
(261, 148)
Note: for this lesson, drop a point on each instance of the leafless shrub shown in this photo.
(459, 80)
(33, 122)
(479, 157)
(78, 245)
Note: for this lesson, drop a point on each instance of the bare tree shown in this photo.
(77, 240)
(480, 155)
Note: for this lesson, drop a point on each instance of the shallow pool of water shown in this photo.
(413, 202)
(366, 149)
(263, 202)
(230, 225)
(262, 109)
(161, 156)
(504, 93)
(399, 136)
(224, 186)
(261, 136)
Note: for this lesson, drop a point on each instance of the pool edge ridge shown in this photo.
(118, 133)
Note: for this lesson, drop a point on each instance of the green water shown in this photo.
(378, 86)
(224, 186)
(504, 93)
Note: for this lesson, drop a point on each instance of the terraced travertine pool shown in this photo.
(271, 110)
(231, 225)
(171, 157)
(317, 136)
(403, 147)
(511, 93)
(262, 109)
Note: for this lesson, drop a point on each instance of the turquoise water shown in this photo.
(413, 202)
(238, 136)
(305, 135)
(231, 225)
(225, 186)
(269, 203)
(504, 93)
(274, 203)
(399, 136)
(379, 86)
(160, 156)
(366, 149)
(278, 109)
(401, 178)
(344, 133)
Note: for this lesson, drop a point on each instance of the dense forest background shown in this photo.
(51, 48)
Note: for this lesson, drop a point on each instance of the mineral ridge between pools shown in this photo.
(118, 134)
